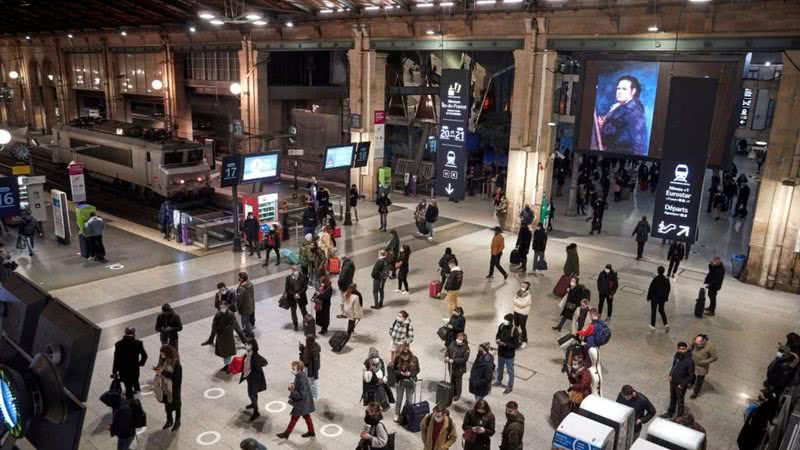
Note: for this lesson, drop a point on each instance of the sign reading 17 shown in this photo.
(230, 171)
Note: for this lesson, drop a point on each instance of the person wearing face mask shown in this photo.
(253, 373)
(514, 429)
(380, 272)
(406, 369)
(374, 388)
(246, 303)
(580, 319)
(681, 376)
(457, 356)
(223, 294)
(401, 332)
(507, 339)
(170, 371)
(302, 401)
(437, 430)
(168, 324)
(295, 292)
(310, 356)
(607, 284)
(402, 265)
(575, 293)
(658, 295)
(480, 375)
(580, 380)
(455, 325)
(453, 284)
(352, 307)
(374, 435)
(478, 427)
(644, 411)
(704, 353)
(222, 328)
(522, 307)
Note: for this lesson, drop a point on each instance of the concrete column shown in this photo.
(176, 106)
(27, 84)
(116, 109)
(367, 95)
(773, 256)
(254, 101)
(530, 169)
(49, 91)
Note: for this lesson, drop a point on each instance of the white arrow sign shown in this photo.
(684, 230)
(449, 189)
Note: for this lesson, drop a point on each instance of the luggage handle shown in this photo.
(417, 383)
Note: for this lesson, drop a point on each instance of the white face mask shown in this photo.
(506, 323)
(249, 348)
(295, 371)
(779, 354)
(575, 367)
(224, 309)
(608, 270)
(459, 341)
(376, 360)
(438, 418)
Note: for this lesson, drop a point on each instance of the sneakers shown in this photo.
(652, 328)
(430, 238)
(524, 344)
(396, 420)
(397, 291)
(666, 327)
(404, 292)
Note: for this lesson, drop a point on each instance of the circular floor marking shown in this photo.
(324, 430)
(202, 438)
(116, 266)
(147, 389)
(276, 406)
(214, 393)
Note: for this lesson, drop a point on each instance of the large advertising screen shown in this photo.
(338, 156)
(623, 107)
(259, 168)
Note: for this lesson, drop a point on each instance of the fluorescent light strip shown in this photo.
(372, 8)
(486, 2)
(446, 4)
(512, 1)
(325, 11)
(424, 5)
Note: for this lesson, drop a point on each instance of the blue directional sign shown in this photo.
(451, 154)
(9, 197)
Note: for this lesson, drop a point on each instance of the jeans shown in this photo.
(247, 323)
(603, 300)
(377, 291)
(383, 220)
(508, 364)
(521, 321)
(125, 443)
(677, 394)
(28, 240)
(309, 230)
(354, 210)
(712, 297)
(494, 261)
(639, 249)
(404, 394)
(429, 226)
(698, 383)
(660, 306)
(537, 257)
(673, 266)
(314, 382)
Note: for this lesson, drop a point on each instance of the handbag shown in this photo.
(317, 306)
(283, 302)
(470, 436)
(442, 332)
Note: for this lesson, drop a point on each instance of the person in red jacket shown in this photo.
(580, 380)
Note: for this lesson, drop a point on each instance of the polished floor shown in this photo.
(750, 321)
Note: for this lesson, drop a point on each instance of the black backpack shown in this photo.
(137, 413)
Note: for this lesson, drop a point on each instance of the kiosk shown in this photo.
(672, 436)
(31, 196)
(579, 432)
(616, 415)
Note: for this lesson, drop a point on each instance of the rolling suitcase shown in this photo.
(412, 414)
(290, 255)
(338, 341)
(560, 290)
(560, 408)
(699, 307)
(514, 258)
(444, 391)
(333, 265)
(84, 243)
(434, 288)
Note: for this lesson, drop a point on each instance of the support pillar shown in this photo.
(773, 257)
(115, 102)
(530, 167)
(64, 93)
(176, 106)
(254, 107)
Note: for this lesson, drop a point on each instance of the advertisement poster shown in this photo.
(451, 154)
(379, 133)
(9, 197)
(623, 108)
(77, 182)
(60, 216)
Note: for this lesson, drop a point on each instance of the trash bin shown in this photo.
(737, 264)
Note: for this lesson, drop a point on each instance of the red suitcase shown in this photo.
(333, 265)
(434, 289)
(236, 365)
(561, 287)
(337, 232)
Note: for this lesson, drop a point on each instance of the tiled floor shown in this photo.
(749, 323)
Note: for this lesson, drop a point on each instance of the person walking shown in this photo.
(246, 303)
(713, 282)
(310, 356)
(680, 377)
(453, 284)
(374, 434)
(478, 427)
(506, 338)
(406, 369)
(352, 308)
(607, 284)
(456, 358)
(444, 266)
(539, 244)
(522, 308)
(643, 410)
(28, 229)
(168, 324)
(169, 370)
(383, 203)
(431, 216)
(250, 228)
(322, 304)
(222, 328)
(480, 375)
(302, 401)
(437, 430)
(272, 243)
(295, 291)
(523, 245)
(455, 325)
(402, 265)
(658, 296)
(498, 244)
(354, 200)
(379, 274)
(704, 353)
(165, 219)
(122, 426)
(501, 210)
(675, 255)
(129, 356)
(641, 232)
(572, 266)
(575, 293)
(514, 429)
(401, 332)
(94, 233)
(253, 373)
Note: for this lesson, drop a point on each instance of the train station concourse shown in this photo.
(413, 224)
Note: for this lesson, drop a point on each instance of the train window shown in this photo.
(119, 156)
(173, 157)
(194, 156)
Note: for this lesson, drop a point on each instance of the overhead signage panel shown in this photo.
(361, 155)
(451, 155)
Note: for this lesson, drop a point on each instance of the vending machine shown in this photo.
(673, 436)
(616, 415)
(579, 432)
(264, 208)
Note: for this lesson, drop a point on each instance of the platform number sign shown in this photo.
(9, 197)
(231, 170)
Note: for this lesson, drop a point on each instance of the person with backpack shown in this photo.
(346, 274)
(295, 291)
(170, 371)
(437, 430)
(222, 328)
(507, 339)
(675, 256)
(444, 266)
(522, 307)
(658, 295)
(122, 423)
(374, 435)
(401, 332)
(480, 375)
(607, 284)
(379, 274)
(129, 356)
(478, 427)
(168, 324)
(452, 285)
(253, 373)
(431, 216)
(456, 357)
(246, 303)
(272, 243)
(406, 369)
(596, 333)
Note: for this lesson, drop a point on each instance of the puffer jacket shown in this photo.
(703, 357)
(522, 303)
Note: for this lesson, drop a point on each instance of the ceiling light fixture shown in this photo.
(446, 4)
(652, 29)
(216, 22)
(69, 35)
(28, 38)
(511, 1)
(424, 5)
(699, 1)
(430, 32)
(371, 8)
(767, 63)
(192, 29)
(157, 84)
(51, 77)
(123, 33)
(13, 74)
(485, 2)
(253, 16)
(205, 15)
(289, 24)
(236, 88)
(260, 23)
(325, 11)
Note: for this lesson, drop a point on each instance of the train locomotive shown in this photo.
(151, 161)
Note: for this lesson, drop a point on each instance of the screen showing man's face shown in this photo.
(625, 91)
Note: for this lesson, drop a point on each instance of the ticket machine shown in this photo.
(673, 436)
(579, 432)
(616, 415)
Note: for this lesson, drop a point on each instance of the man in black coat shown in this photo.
(658, 295)
(643, 410)
(523, 245)
(295, 291)
(607, 284)
(681, 376)
(168, 324)
(309, 220)
(122, 426)
(641, 232)
(250, 227)
(379, 274)
(675, 256)
(129, 356)
(346, 274)
(538, 245)
(713, 282)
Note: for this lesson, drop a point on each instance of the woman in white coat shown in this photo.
(522, 307)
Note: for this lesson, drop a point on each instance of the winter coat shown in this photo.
(403, 259)
(682, 371)
(348, 270)
(498, 244)
(276, 239)
(539, 240)
(411, 366)
(460, 355)
(676, 251)
(29, 226)
(447, 436)
(165, 215)
(250, 228)
(480, 375)
(176, 377)
(168, 324)
(715, 276)
(574, 297)
(454, 279)
(524, 240)
(432, 214)
(383, 204)
(351, 307)
(353, 198)
(122, 421)
(256, 381)
(526, 216)
(658, 292)
(642, 408)
(502, 207)
(312, 361)
(401, 332)
(507, 348)
(326, 244)
(309, 218)
(580, 381)
(444, 264)
(246, 298)
(222, 328)
(394, 246)
(513, 432)
(378, 268)
(459, 323)
(703, 357)
(572, 266)
(642, 231)
(522, 303)
(301, 398)
(94, 227)
(296, 286)
(607, 284)
(482, 441)
(129, 356)
(324, 314)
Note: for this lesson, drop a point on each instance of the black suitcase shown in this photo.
(699, 307)
(413, 413)
(444, 391)
(560, 408)
(84, 243)
(514, 258)
(338, 341)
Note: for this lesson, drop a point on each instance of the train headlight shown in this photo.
(199, 179)
(181, 181)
